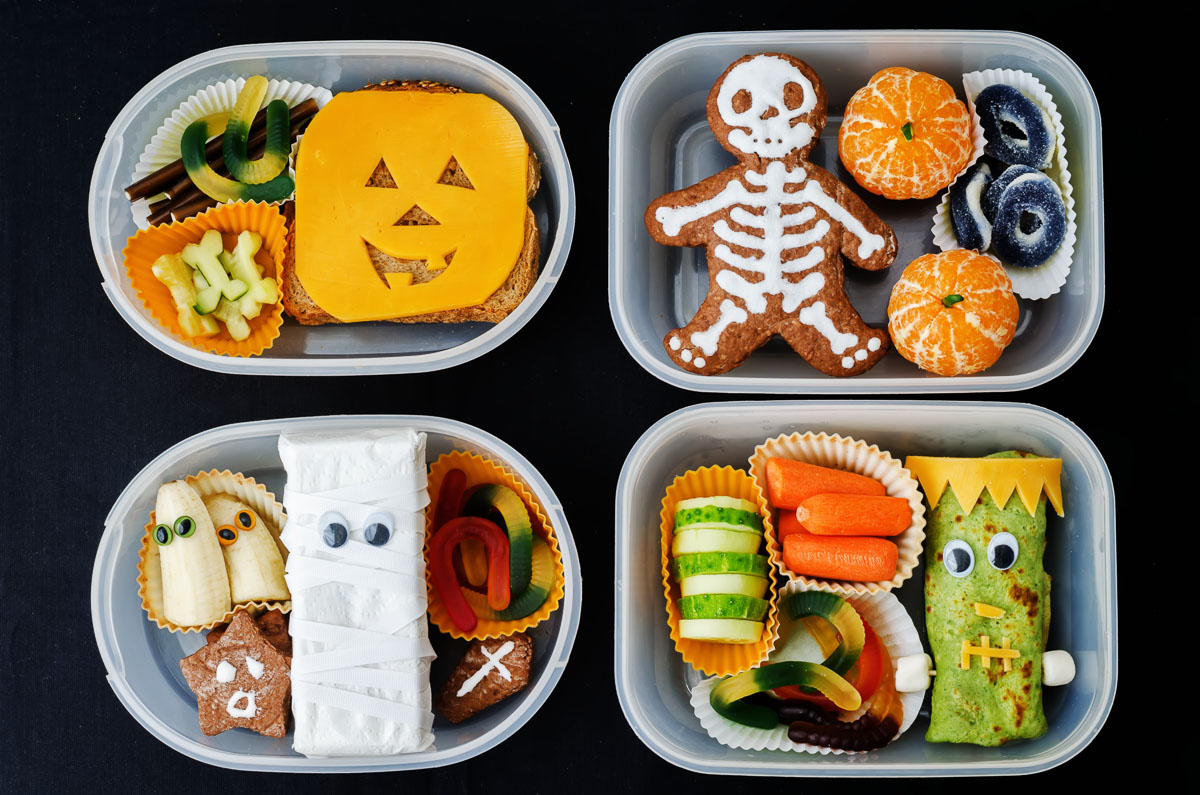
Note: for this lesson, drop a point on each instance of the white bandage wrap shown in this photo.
(361, 652)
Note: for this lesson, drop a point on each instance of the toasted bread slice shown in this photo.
(298, 303)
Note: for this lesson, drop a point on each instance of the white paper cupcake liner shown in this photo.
(220, 97)
(896, 631)
(1048, 278)
(837, 452)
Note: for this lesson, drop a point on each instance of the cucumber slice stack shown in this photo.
(722, 579)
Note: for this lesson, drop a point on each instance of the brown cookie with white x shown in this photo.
(241, 681)
(490, 671)
(776, 228)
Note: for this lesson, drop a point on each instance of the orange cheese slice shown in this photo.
(415, 134)
(968, 477)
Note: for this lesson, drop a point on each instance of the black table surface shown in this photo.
(86, 402)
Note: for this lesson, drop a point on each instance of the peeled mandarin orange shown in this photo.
(952, 313)
(904, 134)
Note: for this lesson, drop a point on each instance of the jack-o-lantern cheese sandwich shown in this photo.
(411, 206)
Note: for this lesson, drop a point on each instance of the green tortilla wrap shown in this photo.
(984, 704)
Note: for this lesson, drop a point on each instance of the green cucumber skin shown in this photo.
(714, 515)
(719, 563)
(213, 185)
(494, 500)
(723, 606)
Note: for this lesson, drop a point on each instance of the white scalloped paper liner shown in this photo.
(896, 630)
(213, 481)
(220, 97)
(838, 452)
(1048, 278)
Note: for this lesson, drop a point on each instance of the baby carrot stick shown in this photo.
(790, 483)
(788, 524)
(854, 515)
(854, 558)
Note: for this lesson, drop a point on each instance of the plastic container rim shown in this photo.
(815, 384)
(825, 766)
(540, 690)
(149, 329)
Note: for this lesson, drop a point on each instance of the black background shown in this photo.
(85, 403)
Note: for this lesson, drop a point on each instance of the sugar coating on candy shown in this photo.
(1030, 222)
(1017, 130)
(990, 202)
(972, 228)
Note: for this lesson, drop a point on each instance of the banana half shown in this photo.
(195, 585)
(252, 557)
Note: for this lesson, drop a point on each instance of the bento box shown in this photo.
(359, 348)
(660, 141)
(654, 684)
(142, 660)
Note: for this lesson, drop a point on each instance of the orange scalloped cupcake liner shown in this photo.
(717, 659)
(853, 455)
(229, 219)
(480, 471)
(213, 481)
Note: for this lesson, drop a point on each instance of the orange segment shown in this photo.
(953, 313)
(905, 135)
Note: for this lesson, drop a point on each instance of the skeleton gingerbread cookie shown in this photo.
(773, 226)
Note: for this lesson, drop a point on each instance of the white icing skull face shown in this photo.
(769, 97)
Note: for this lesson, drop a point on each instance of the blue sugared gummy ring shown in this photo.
(1018, 132)
(1001, 179)
(972, 228)
(1030, 222)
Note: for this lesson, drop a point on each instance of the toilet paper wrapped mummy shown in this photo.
(776, 228)
(987, 597)
(356, 570)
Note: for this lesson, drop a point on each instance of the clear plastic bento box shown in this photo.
(659, 141)
(360, 348)
(142, 660)
(654, 684)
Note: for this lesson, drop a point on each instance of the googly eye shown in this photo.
(162, 535)
(227, 535)
(379, 529)
(1002, 551)
(245, 520)
(334, 529)
(185, 526)
(958, 558)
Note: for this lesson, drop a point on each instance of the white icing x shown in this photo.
(493, 662)
(770, 265)
(255, 668)
(771, 134)
(225, 672)
(248, 711)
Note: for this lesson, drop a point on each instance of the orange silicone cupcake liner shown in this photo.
(717, 659)
(480, 471)
(229, 219)
(248, 491)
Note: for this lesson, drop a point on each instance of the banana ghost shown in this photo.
(195, 585)
(252, 557)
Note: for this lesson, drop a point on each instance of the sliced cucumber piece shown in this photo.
(229, 314)
(171, 270)
(207, 300)
(723, 512)
(723, 605)
(721, 630)
(744, 584)
(719, 563)
(205, 257)
(709, 539)
(249, 306)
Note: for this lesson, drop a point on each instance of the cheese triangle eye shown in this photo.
(456, 176)
(381, 177)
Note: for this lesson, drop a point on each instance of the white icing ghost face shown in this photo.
(769, 98)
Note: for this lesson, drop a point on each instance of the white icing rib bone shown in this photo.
(493, 662)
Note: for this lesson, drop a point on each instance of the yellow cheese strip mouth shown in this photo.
(988, 611)
(986, 653)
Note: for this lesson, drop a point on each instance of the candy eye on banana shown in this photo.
(252, 557)
(195, 585)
